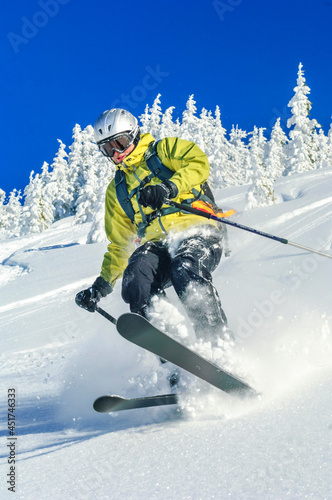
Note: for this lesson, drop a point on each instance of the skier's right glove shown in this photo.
(155, 196)
(89, 298)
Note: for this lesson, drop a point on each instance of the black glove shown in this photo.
(89, 298)
(155, 196)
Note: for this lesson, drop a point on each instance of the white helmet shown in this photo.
(115, 130)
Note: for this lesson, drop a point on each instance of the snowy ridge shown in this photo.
(59, 358)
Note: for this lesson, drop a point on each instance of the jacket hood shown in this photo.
(136, 157)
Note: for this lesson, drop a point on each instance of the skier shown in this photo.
(176, 248)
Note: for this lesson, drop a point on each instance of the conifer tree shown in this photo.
(58, 188)
(300, 151)
(329, 147)
(87, 190)
(3, 211)
(46, 200)
(145, 120)
(104, 171)
(97, 230)
(205, 131)
(37, 213)
(14, 209)
(321, 149)
(275, 159)
(261, 191)
(155, 118)
(217, 150)
(96, 175)
(189, 129)
(45, 175)
(168, 128)
(75, 167)
(238, 157)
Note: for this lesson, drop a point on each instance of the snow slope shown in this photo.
(59, 358)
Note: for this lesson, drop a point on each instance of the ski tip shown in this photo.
(128, 323)
(103, 401)
(108, 404)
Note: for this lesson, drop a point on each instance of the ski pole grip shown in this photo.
(190, 209)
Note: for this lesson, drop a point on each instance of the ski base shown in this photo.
(107, 404)
(141, 332)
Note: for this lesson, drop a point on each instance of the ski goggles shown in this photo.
(117, 143)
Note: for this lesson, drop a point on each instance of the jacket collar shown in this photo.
(136, 157)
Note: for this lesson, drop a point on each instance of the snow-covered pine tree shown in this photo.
(58, 187)
(300, 150)
(189, 128)
(321, 149)
(105, 171)
(329, 147)
(261, 191)
(3, 211)
(217, 150)
(98, 171)
(145, 120)
(275, 159)
(238, 157)
(168, 128)
(97, 231)
(37, 213)
(46, 200)
(205, 131)
(155, 118)
(45, 175)
(75, 167)
(14, 209)
(87, 192)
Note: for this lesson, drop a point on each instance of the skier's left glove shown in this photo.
(89, 298)
(155, 196)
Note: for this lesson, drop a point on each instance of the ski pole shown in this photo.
(106, 315)
(207, 215)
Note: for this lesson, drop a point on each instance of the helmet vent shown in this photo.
(100, 130)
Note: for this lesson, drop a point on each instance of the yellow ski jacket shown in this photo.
(191, 169)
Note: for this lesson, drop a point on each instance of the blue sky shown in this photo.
(66, 61)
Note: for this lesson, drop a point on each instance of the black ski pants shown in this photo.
(154, 267)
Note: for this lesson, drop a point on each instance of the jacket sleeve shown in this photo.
(121, 234)
(187, 160)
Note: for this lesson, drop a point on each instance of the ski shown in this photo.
(141, 332)
(107, 404)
